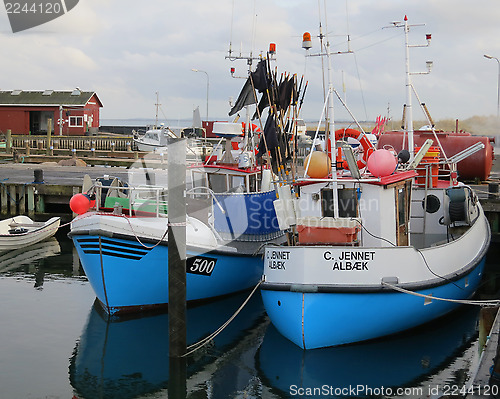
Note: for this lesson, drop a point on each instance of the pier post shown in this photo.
(30, 192)
(8, 142)
(3, 199)
(12, 189)
(493, 190)
(49, 137)
(177, 266)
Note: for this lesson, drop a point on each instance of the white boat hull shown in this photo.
(28, 232)
(323, 296)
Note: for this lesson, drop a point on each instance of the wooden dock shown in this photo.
(41, 191)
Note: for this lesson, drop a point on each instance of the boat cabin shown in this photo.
(239, 200)
(372, 212)
(229, 178)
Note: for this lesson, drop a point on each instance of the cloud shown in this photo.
(127, 50)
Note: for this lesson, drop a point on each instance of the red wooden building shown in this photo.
(27, 112)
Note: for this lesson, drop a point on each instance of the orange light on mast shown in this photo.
(272, 48)
(306, 41)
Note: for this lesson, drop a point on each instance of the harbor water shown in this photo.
(57, 343)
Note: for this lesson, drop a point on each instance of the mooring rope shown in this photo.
(201, 343)
(487, 303)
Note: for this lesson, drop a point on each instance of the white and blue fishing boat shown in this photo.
(123, 244)
(374, 251)
(122, 240)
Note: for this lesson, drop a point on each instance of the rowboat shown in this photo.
(20, 231)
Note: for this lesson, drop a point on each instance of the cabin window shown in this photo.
(252, 183)
(402, 192)
(76, 121)
(401, 207)
(199, 180)
(238, 181)
(431, 203)
(217, 183)
(347, 199)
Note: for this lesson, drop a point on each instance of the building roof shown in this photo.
(47, 98)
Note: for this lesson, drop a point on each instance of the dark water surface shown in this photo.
(55, 343)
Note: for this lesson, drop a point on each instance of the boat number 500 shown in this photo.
(203, 265)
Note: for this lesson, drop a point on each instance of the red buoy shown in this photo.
(79, 203)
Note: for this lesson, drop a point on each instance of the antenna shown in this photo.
(409, 85)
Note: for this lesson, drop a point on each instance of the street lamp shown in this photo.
(498, 83)
(208, 84)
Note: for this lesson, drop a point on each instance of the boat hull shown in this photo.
(30, 234)
(321, 296)
(323, 319)
(127, 276)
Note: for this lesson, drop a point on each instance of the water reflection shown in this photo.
(127, 358)
(14, 260)
(405, 360)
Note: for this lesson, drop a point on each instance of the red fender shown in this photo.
(365, 143)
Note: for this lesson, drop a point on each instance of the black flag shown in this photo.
(247, 95)
(270, 136)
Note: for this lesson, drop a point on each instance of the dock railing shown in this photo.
(112, 143)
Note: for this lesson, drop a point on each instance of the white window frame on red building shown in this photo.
(78, 118)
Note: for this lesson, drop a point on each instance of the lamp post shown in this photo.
(498, 83)
(208, 84)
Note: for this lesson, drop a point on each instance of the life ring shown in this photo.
(368, 148)
(252, 127)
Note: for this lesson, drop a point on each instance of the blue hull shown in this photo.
(128, 277)
(315, 320)
(125, 358)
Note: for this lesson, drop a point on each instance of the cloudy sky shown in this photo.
(126, 51)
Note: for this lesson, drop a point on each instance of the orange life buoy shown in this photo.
(252, 127)
(365, 143)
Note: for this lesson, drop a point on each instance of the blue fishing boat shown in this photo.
(121, 235)
(378, 245)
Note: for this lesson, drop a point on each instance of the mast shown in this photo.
(409, 113)
(409, 84)
(157, 105)
(331, 131)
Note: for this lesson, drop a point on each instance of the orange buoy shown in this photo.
(319, 166)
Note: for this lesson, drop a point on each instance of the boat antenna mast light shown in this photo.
(409, 84)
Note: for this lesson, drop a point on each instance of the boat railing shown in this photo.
(149, 200)
(206, 192)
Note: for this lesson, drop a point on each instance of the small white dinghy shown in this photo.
(20, 231)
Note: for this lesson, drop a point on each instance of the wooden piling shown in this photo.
(12, 190)
(177, 267)
(3, 199)
(21, 202)
(49, 137)
(30, 194)
(177, 247)
(8, 142)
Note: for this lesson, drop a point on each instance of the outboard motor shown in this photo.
(460, 205)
